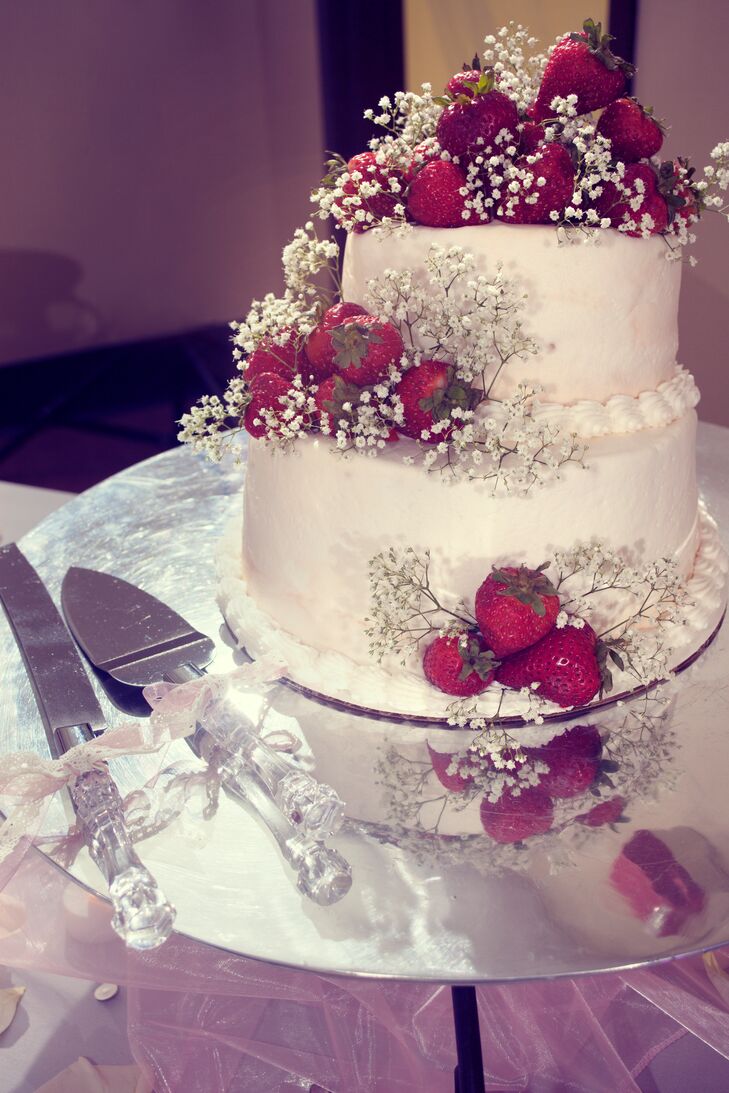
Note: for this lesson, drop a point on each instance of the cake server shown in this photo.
(139, 640)
(71, 715)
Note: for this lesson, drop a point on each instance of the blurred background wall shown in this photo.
(157, 156)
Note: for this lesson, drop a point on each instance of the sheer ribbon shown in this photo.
(28, 780)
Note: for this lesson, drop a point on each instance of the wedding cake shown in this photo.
(470, 486)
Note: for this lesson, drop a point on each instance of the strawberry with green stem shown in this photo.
(365, 348)
(634, 133)
(459, 664)
(515, 607)
(478, 119)
(582, 64)
(429, 392)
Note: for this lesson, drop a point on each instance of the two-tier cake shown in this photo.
(471, 479)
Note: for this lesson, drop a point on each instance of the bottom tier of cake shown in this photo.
(296, 581)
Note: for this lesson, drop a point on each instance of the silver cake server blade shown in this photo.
(71, 715)
(139, 640)
(127, 633)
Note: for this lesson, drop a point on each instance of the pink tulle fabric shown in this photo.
(203, 1021)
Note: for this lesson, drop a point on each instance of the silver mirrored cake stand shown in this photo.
(425, 908)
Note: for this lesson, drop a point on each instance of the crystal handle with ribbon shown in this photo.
(323, 875)
(142, 917)
(313, 807)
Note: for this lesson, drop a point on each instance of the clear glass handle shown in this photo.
(308, 804)
(142, 916)
(323, 875)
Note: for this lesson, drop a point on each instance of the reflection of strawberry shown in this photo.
(470, 126)
(545, 186)
(516, 606)
(657, 887)
(319, 346)
(268, 356)
(607, 812)
(582, 64)
(441, 760)
(429, 391)
(564, 664)
(435, 198)
(364, 348)
(266, 389)
(572, 760)
(459, 664)
(631, 129)
(513, 818)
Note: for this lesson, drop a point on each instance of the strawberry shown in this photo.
(440, 761)
(573, 760)
(639, 187)
(464, 83)
(425, 152)
(533, 203)
(330, 398)
(564, 664)
(365, 175)
(266, 390)
(531, 136)
(365, 347)
(631, 129)
(582, 64)
(459, 664)
(515, 607)
(607, 812)
(679, 192)
(268, 356)
(435, 198)
(428, 392)
(469, 126)
(327, 405)
(319, 346)
(517, 816)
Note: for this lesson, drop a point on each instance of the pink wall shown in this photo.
(156, 157)
(682, 73)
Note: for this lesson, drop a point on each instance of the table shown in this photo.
(411, 914)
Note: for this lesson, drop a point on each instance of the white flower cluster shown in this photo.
(403, 607)
(457, 314)
(512, 53)
(597, 582)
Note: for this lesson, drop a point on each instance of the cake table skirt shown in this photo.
(204, 1021)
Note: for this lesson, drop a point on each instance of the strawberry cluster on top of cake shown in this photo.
(517, 139)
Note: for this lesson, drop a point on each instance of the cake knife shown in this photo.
(72, 715)
(139, 640)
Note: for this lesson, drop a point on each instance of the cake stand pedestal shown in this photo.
(413, 912)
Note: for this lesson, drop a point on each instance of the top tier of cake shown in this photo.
(604, 315)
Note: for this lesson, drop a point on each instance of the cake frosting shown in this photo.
(329, 516)
(605, 315)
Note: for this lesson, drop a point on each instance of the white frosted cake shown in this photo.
(471, 477)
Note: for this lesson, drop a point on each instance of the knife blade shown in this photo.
(137, 639)
(71, 715)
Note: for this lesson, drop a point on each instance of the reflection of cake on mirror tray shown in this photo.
(471, 479)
